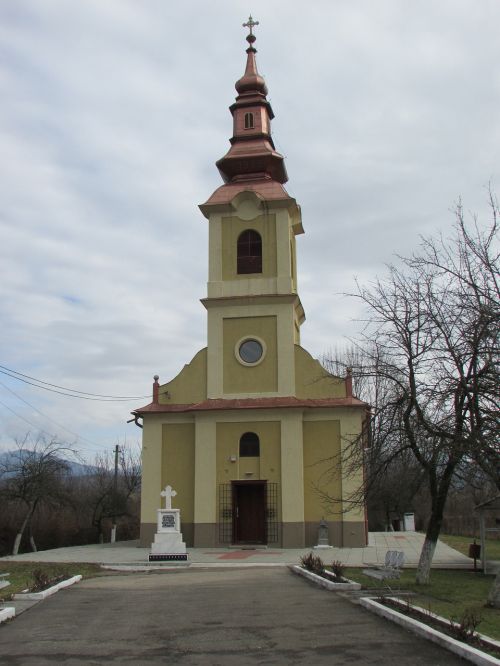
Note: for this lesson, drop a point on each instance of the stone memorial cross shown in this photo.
(168, 493)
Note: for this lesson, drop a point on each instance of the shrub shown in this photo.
(312, 563)
(337, 569)
(42, 581)
(464, 627)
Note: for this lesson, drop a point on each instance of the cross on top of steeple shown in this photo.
(250, 24)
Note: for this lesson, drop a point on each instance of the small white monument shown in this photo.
(168, 545)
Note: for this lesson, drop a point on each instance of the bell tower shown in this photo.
(254, 311)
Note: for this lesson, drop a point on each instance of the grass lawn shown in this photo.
(21, 574)
(448, 594)
(462, 545)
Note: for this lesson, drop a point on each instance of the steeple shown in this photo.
(252, 155)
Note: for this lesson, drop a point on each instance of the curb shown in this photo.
(7, 613)
(462, 649)
(49, 591)
(323, 582)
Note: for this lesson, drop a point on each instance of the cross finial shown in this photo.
(250, 24)
(168, 493)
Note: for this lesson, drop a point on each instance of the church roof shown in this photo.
(268, 189)
(252, 403)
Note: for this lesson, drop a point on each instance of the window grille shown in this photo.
(273, 525)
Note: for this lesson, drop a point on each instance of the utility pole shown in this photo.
(115, 490)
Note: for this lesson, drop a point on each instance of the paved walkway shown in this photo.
(211, 617)
(129, 555)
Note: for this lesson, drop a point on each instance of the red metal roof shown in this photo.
(268, 189)
(251, 403)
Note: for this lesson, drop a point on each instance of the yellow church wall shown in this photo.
(292, 479)
(293, 261)
(195, 458)
(151, 477)
(312, 380)
(232, 227)
(277, 228)
(284, 232)
(321, 469)
(190, 385)
(205, 467)
(281, 308)
(346, 522)
(177, 465)
(238, 378)
(267, 466)
(353, 525)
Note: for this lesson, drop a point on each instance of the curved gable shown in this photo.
(312, 380)
(190, 385)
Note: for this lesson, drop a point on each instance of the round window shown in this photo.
(250, 351)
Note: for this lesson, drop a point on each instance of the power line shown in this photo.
(75, 434)
(38, 429)
(82, 395)
(26, 420)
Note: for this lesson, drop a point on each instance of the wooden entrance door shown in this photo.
(249, 512)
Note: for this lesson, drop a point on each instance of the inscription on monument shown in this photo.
(168, 520)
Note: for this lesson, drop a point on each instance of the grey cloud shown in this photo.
(113, 117)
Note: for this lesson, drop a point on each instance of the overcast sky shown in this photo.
(113, 113)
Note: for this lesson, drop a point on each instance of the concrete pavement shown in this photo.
(128, 554)
(212, 617)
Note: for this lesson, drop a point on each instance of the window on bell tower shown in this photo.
(249, 252)
(249, 121)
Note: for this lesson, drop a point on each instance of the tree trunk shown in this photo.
(32, 538)
(19, 535)
(431, 535)
(494, 595)
(425, 561)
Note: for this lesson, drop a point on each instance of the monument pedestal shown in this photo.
(323, 539)
(168, 545)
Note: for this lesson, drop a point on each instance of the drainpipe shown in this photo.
(136, 420)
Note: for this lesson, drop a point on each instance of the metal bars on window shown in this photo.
(273, 524)
(225, 513)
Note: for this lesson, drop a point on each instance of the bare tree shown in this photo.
(103, 496)
(33, 475)
(392, 476)
(432, 337)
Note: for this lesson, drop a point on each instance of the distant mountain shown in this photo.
(75, 468)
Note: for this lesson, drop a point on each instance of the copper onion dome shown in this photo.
(252, 155)
(251, 81)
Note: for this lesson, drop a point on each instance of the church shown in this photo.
(251, 432)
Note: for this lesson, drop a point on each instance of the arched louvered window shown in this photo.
(249, 121)
(249, 445)
(249, 252)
